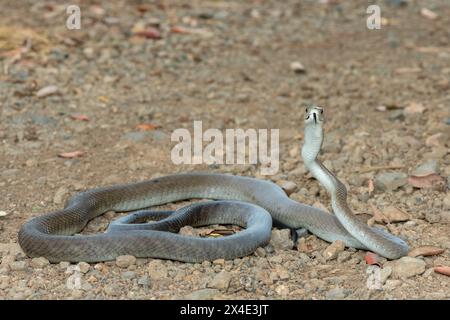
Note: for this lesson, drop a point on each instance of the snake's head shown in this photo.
(314, 114)
(313, 134)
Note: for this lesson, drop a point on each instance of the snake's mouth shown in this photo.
(315, 118)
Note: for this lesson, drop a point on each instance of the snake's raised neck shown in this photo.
(374, 239)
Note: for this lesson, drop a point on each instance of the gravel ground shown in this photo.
(230, 64)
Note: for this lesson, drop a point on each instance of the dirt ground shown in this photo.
(118, 87)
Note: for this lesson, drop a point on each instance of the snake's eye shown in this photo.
(306, 110)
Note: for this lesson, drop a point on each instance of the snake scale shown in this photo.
(247, 202)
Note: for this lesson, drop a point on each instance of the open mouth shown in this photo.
(315, 118)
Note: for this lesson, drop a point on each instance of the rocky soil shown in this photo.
(97, 106)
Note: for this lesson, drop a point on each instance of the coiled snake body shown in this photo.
(251, 203)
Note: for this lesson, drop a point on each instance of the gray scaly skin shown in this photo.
(50, 235)
(374, 239)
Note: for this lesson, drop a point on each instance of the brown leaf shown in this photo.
(80, 117)
(70, 155)
(394, 214)
(378, 216)
(147, 126)
(103, 99)
(432, 180)
(425, 251)
(148, 33)
(143, 7)
(372, 259)
(445, 270)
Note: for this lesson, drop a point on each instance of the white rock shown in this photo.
(392, 284)
(332, 251)
(188, 231)
(220, 281)
(125, 261)
(18, 266)
(297, 67)
(337, 294)
(157, 270)
(281, 239)
(3, 213)
(39, 263)
(282, 290)
(288, 186)
(407, 267)
(385, 273)
(84, 267)
(60, 195)
(47, 91)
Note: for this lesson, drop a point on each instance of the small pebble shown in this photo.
(220, 281)
(84, 267)
(332, 251)
(407, 267)
(40, 262)
(125, 261)
(297, 67)
(281, 239)
(389, 181)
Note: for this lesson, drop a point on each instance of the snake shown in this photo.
(253, 204)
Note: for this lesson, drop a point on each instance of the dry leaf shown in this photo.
(47, 91)
(414, 107)
(143, 7)
(425, 251)
(377, 216)
(148, 33)
(394, 214)
(427, 13)
(103, 99)
(445, 270)
(147, 126)
(80, 117)
(432, 180)
(203, 232)
(372, 259)
(70, 155)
